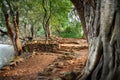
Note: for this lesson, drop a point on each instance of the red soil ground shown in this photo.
(41, 62)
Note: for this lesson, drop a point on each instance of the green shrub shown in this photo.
(72, 32)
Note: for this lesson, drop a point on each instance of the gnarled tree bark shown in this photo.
(102, 20)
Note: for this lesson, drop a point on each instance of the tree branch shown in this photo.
(3, 32)
(50, 12)
(45, 14)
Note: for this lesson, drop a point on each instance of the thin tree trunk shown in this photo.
(9, 30)
(17, 44)
(32, 31)
(46, 21)
(13, 33)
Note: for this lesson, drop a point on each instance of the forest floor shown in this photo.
(59, 59)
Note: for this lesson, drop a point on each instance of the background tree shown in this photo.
(11, 15)
(101, 20)
(30, 18)
(46, 19)
(64, 21)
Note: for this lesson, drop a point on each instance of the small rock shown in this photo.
(56, 78)
(67, 53)
(5, 68)
(70, 61)
(59, 64)
(68, 76)
(49, 68)
(68, 57)
(42, 78)
(63, 72)
(44, 73)
(12, 64)
(55, 70)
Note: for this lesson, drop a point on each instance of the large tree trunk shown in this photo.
(102, 20)
(80, 10)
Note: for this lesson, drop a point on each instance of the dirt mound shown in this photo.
(65, 44)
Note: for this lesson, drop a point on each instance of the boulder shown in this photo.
(7, 54)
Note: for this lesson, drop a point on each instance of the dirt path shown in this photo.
(65, 67)
(72, 57)
(28, 69)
